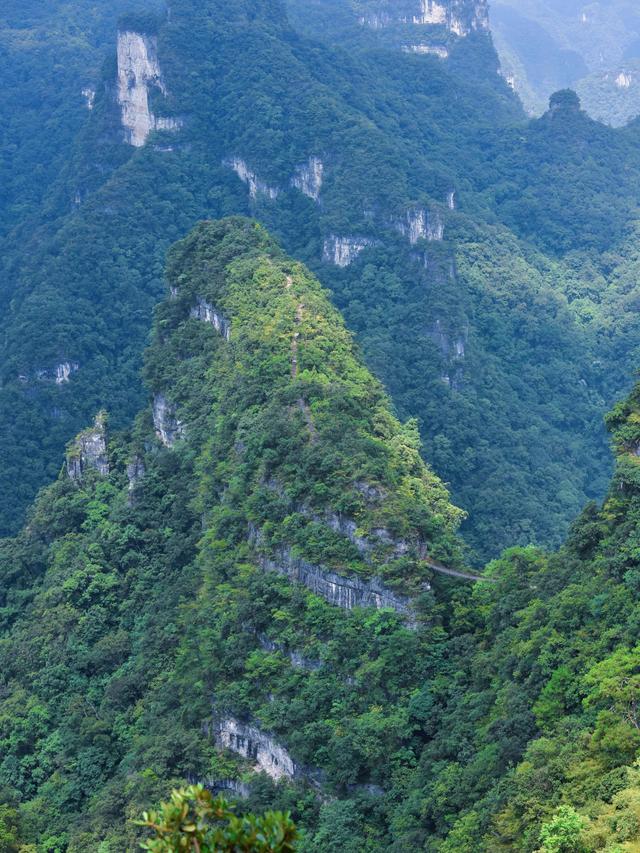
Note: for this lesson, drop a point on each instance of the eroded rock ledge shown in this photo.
(206, 313)
(138, 71)
(341, 591)
(169, 428)
(297, 659)
(89, 451)
(266, 754)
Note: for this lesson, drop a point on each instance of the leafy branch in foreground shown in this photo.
(193, 820)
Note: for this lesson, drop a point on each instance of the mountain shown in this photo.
(253, 565)
(546, 45)
(537, 734)
(276, 453)
(79, 287)
(360, 188)
(259, 586)
(398, 178)
(50, 59)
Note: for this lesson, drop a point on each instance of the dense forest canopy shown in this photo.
(253, 563)
(504, 325)
(303, 324)
(546, 45)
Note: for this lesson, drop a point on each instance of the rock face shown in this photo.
(298, 660)
(427, 49)
(230, 786)
(379, 536)
(467, 16)
(451, 346)
(205, 312)
(64, 371)
(415, 225)
(431, 13)
(421, 224)
(89, 451)
(249, 177)
(344, 592)
(138, 70)
(267, 755)
(376, 20)
(460, 17)
(135, 472)
(89, 96)
(168, 428)
(342, 251)
(308, 178)
(59, 374)
(453, 349)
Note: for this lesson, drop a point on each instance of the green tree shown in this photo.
(194, 820)
(9, 833)
(563, 833)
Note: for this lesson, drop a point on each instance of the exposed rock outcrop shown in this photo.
(138, 70)
(344, 592)
(460, 17)
(467, 16)
(308, 177)
(64, 371)
(89, 451)
(376, 20)
(168, 427)
(59, 374)
(453, 349)
(229, 786)
(205, 312)
(427, 49)
(342, 251)
(419, 223)
(451, 346)
(249, 177)
(435, 226)
(135, 472)
(414, 225)
(431, 12)
(89, 96)
(267, 755)
(298, 660)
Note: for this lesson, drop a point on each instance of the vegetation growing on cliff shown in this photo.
(506, 355)
(130, 606)
(141, 612)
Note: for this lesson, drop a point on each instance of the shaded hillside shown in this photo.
(238, 591)
(149, 607)
(399, 178)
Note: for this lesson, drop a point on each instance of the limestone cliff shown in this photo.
(262, 750)
(89, 451)
(139, 72)
(168, 427)
(342, 251)
(458, 17)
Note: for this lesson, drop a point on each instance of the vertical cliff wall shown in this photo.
(138, 73)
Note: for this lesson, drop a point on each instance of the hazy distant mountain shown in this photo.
(545, 45)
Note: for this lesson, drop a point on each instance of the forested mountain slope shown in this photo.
(51, 54)
(237, 590)
(546, 45)
(400, 178)
(149, 610)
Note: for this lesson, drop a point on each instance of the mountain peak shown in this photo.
(320, 437)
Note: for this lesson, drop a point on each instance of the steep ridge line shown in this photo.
(304, 408)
